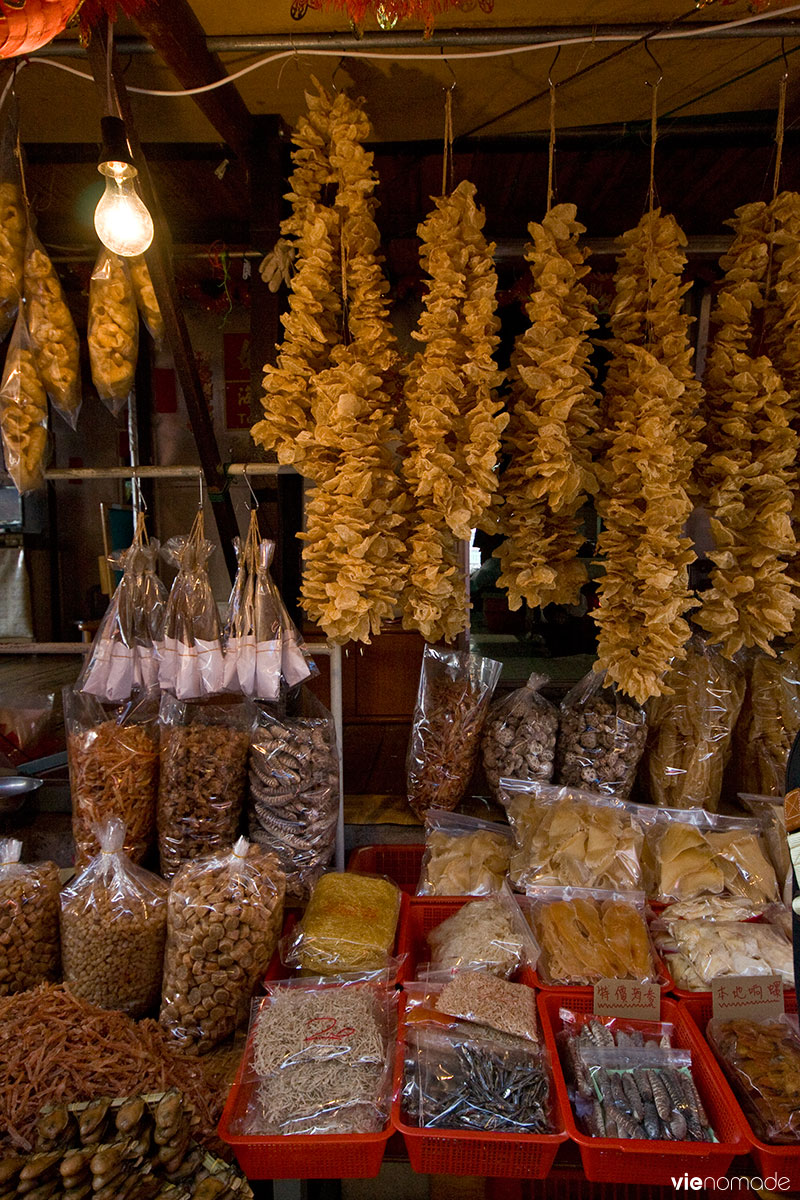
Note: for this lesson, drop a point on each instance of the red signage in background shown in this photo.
(236, 357)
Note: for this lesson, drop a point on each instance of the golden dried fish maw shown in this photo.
(146, 300)
(113, 333)
(54, 338)
(23, 420)
(584, 940)
(686, 864)
(13, 228)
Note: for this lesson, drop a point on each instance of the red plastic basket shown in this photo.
(401, 863)
(618, 1160)
(771, 1160)
(423, 914)
(297, 1156)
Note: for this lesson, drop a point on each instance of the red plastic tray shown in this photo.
(771, 1160)
(424, 913)
(488, 1155)
(297, 1156)
(401, 863)
(619, 1160)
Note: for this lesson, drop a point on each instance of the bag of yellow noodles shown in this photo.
(349, 926)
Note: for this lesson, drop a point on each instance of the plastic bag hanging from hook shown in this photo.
(191, 662)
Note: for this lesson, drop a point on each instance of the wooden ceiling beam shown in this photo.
(175, 34)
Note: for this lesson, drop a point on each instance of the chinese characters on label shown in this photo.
(627, 998)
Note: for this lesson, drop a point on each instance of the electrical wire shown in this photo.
(414, 56)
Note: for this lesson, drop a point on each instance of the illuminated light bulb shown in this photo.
(121, 218)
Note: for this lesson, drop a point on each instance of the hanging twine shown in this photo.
(651, 194)
(779, 132)
(551, 151)
(447, 153)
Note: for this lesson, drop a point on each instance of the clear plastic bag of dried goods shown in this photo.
(464, 856)
(113, 330)
(690, 730)
(263, 647)
(349, 925)
(13, 224)
(28, 921)
(123, 657)
(761, 1059)
(54, 338)
(519, 737)
(589, 934)
(113, 926)
(203, 775)
(769, 811)
(191, 660)
(695, 952)
(477, 997)
(768, 723)
(146, 301)
(23, 412)
(112, 750)
(601, 738)
(488, 934)
(695, 853)
(320, 1058)
(455, 688)
(565, 836)
(225, 915)
(478, 1080)
(293, 800)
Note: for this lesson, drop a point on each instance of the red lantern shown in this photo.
(31, 24)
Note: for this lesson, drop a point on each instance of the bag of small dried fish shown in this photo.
(54, 338)
(203, 775)
(587, 935)
(293, 801)
(322, 1058)
(112, 750)
(489, 934)
(464, 856)
(113, 926)
(454, 691)
(349, 925)
(572, 838)
(601, 738)
(693, 853)
(519, 737)
(13, 226)
(762, 1062)
(224, 917)
(479, 1080)
(113, 332)
(29, 937)
(23, 412)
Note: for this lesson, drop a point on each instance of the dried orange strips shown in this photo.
(454, 418)
(650, 425)
(752, 448)
(553, 419)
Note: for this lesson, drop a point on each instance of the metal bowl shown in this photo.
(14, 790)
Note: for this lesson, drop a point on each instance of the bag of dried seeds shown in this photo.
(31, 952)
(293, 802)
(601, 738)
(113, 926)
(455, 688)
(519, 737)
(225, 915)
(112, 750)
(203, 775)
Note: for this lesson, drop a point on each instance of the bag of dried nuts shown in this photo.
(203, 778)
(29, 945)
(519, 737)
(601, 738)
(455, 688)
(294, 789)
(225, 915)
(112, 751)
(113, 927)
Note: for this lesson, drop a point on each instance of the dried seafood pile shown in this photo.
(650, 432)
(454, 418)
(330, 400)
(553, 419)
(750, 465)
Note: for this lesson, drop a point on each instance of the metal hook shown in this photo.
(254, 505)
(336, 71)
(450, 69)
(657, 65)
(202, 495)
(552, 68)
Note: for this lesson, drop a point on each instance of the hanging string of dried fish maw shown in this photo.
(312, 322)
(752, 450)
(453, 419)
(553, 419)
(644, 587)
(353, 556)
